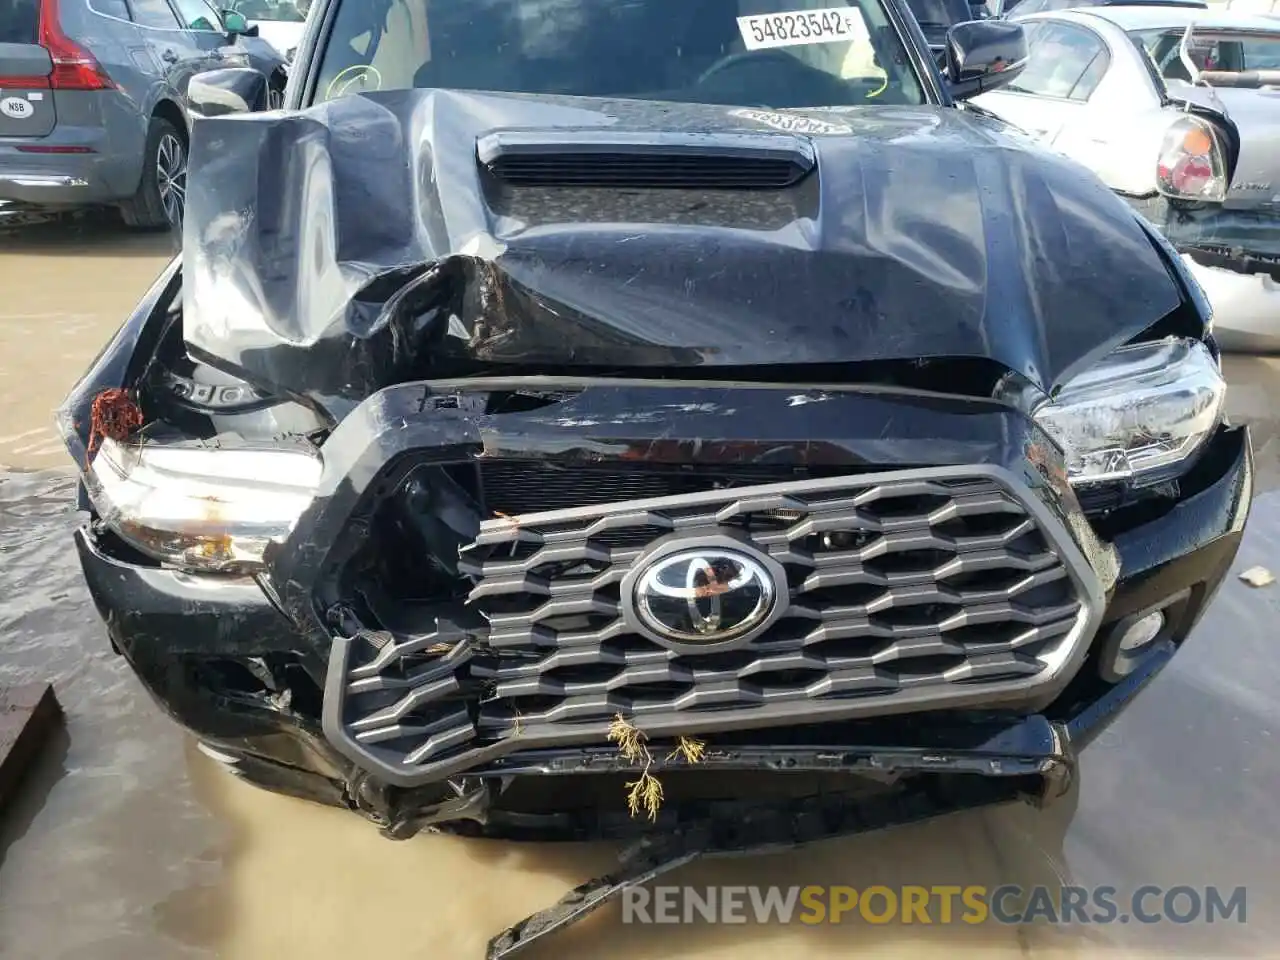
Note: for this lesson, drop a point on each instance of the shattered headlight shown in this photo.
(1138, 415)
(202, 508)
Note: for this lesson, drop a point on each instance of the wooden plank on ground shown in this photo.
(28, 715)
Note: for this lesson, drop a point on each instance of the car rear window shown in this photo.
(19, 21)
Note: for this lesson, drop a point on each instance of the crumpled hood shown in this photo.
(359, 243)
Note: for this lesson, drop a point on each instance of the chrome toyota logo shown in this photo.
(705, 595)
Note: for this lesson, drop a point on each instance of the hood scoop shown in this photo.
(690, 161)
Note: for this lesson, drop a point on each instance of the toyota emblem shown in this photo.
(704, 596)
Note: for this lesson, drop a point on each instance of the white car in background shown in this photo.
(1178, 111)
(279, 22)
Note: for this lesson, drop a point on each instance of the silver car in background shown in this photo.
(1178, 111)
(93, 103)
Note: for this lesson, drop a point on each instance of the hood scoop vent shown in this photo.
(572, 158)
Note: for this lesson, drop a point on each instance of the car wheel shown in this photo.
(275, 95)
(162, 194)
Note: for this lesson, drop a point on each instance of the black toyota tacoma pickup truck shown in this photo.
(619, 394)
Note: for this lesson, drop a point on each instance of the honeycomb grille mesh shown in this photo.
(904, 593)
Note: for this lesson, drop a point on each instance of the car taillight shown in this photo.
(12, 82)
(1192, 163)
(43, 148)
(74, 67)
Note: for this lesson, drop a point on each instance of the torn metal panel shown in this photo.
(362, 242)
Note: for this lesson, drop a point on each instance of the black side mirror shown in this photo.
(984, 55)
(217, 93)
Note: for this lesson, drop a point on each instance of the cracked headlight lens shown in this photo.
(1139, 415)
(202, 508)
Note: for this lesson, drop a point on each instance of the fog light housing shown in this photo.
(1131, 639)
(1139, 635)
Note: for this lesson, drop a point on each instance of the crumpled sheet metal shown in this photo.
(331, 252)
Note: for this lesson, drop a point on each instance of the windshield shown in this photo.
(752, 53)
(940, 13)
(285, 11)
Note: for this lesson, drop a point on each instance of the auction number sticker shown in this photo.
(763, 30)
(790, 123)
(16, 108)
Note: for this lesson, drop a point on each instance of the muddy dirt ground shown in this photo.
(129, 844)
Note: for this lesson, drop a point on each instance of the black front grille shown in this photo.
(907, 591)
(514, 487)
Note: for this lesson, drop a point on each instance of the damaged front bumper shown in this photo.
(979, 640)
(1245, 293)
(1235, 257)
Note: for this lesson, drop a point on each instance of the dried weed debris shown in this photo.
(645, 792)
